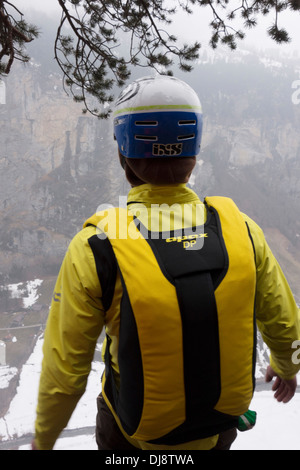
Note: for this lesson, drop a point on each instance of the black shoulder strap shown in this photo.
(106, 266)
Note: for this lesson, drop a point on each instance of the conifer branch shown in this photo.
(92, 57)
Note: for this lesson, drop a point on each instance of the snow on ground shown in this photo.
(20, 417)
(6, 374)
(27, 291)
(32, 295)
(276, 428)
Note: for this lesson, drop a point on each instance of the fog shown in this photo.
(198, 24)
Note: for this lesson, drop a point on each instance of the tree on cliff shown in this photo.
(89, 53)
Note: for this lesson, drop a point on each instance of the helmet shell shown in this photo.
(156, 117)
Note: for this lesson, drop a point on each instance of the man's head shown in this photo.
(158, 128)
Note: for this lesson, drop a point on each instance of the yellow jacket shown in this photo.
(77, 318)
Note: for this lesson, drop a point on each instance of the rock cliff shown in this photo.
(56, 167)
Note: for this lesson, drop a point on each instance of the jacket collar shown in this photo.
(148, 194)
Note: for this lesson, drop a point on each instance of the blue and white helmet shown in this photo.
(158, 117)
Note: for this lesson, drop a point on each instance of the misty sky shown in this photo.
(197, 28)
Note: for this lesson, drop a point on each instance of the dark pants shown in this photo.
(109, 436)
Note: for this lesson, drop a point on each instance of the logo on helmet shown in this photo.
(168, 150)
(128, 93)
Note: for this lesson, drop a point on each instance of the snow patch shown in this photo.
(20, 417)
(27, 291)
(6, 375)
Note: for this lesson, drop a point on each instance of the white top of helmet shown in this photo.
(160, 93)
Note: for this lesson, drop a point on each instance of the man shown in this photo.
(179, 286)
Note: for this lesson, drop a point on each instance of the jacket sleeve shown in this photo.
(277, 314)
(74, 324)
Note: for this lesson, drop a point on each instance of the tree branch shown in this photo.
(92, 58)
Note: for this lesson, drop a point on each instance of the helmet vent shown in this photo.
(186, 137)
(187, 123)
(146, 123)
(146, 138)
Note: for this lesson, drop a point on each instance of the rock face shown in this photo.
(58, 165)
